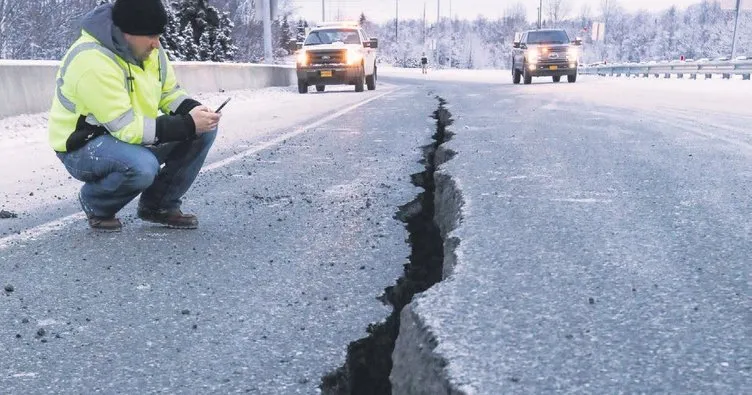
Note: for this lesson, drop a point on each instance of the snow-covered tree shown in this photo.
(229, 30)
(206, 32)
(172, 40)
(284, 36)
(300, 32)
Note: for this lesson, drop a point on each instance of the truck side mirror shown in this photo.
(516, 44)
(577, 41)
(299, 45)
(374, 43)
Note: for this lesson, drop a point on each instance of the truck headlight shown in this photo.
(303, 58)
(573, 54)
(532, 56)
(354, 57)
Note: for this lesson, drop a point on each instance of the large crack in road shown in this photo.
(369, 360)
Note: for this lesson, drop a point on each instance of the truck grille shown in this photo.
(555, 55)
(337, 56)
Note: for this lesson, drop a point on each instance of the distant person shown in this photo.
(105, 125)
(424, 63)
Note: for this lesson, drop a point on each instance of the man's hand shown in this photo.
(205, 119)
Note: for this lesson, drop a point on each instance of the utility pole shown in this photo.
(605, 22)
(438, 28)
(424, 25)
(323, 10)
(540, 15)
(736, 28)
(451, 35)
(396, 21)
(267, 18)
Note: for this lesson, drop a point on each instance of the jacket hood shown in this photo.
(98, 23)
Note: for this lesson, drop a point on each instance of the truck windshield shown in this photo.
(548, 37)
(328, 36)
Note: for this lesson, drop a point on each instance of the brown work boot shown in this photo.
(170, 218)
(106, 224)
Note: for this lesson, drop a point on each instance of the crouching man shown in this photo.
(105, 123)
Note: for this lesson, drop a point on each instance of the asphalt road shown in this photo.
(603, 247)
(297, 241)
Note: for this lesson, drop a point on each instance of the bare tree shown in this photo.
(586, 13)
(516, 11)
(557, 10)
(8, 15)
(608, 8)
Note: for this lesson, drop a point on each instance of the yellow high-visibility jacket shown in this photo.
(100, 86)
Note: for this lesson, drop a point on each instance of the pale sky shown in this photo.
(381, 10)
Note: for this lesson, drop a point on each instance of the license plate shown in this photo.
(553, 67)
(326, 73)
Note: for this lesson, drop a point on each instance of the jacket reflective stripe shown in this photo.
(173, 106)
(116, 124)
(162, 66)
(69, 105)
(150, 131)
(174, 90)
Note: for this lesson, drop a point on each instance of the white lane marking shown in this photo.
(586, 200)
(24, 375)
(260, 147)
(41, 230)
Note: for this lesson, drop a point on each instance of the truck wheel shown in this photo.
(572, 78)
(320, 88)
(302, 87)
(528, 79)
(360, 82)
(371, 81)
(516, 76)
(557, 78)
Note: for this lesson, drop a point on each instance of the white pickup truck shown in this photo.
(337, 54)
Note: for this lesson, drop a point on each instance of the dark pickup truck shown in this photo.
(545, 53)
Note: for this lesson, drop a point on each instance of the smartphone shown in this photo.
(223, 105)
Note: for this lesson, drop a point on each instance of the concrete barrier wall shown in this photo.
(28, 86)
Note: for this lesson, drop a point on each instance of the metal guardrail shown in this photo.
(679, 69)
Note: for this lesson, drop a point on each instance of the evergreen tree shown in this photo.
(206, 45)
(189, 47)
(284, 37)
(207, 32)
(301, 32)
(224, 49)
(172, 40)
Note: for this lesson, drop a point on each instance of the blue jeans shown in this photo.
(116, 172)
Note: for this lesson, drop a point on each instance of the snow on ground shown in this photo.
(708, 98)
(31, 176)
(711, 97)
(455, 75)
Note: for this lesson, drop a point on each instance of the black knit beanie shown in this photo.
(140, 17)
